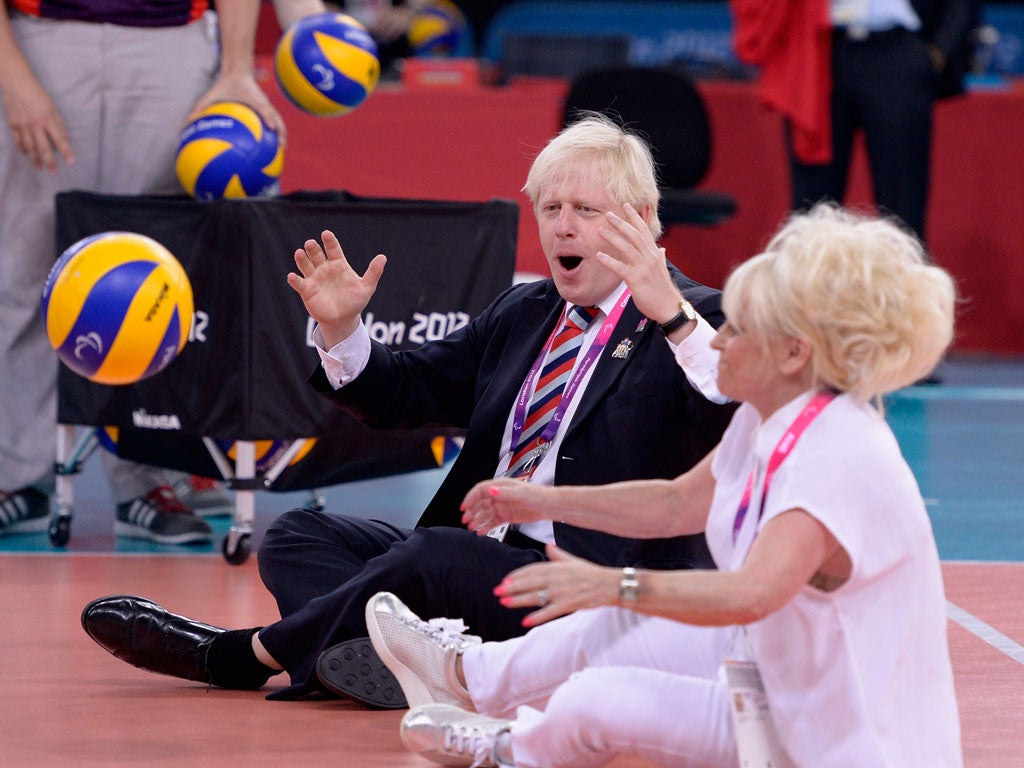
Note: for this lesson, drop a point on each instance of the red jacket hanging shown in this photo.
(791, 42)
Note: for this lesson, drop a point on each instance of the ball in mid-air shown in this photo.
(327, 64)
(117, 307)
(437, 30)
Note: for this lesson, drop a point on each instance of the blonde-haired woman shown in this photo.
(828, 592)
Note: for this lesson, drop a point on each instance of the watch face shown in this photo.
(687, 309)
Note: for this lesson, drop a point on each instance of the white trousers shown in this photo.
(124, 94)
(606, 682)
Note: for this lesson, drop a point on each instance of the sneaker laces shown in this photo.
(474, 740)
(164, 499)
(449, 633)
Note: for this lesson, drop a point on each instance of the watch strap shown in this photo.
(685, 315)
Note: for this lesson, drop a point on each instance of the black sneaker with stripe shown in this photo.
(24, 511)
(161, 517)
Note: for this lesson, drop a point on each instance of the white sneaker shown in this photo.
(420, 654)
(451, 736)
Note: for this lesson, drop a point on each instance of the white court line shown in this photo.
(989, 634)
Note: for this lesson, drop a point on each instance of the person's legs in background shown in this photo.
(28, 366)
(124, 133)
(811, 183)
(884, 84)
(896, 89)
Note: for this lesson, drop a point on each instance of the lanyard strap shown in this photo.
(522, 401)
(782, 450)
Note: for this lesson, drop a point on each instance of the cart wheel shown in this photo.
(60, 528)
(317, 501)
(241, 551)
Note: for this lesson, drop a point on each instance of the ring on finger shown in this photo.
(543, 598)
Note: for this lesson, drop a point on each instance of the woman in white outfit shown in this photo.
(828, 585)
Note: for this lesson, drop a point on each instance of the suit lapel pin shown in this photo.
(623, 349)
(643, 324)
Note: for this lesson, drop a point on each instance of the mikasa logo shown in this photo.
(205, 124)
(165, 289)
(155, 420)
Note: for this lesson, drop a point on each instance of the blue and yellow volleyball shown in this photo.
(227, 151)
(270, 452)
(327, 64)
(117, 307)
(437, 30)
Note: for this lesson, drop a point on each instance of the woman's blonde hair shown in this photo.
(858, 289)
(625, 160)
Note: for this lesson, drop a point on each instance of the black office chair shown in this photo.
(663, 105)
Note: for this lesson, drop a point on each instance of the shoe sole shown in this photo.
(211, 509)
(32, 525)
(129, 531)
(205, 512)
(354, 670)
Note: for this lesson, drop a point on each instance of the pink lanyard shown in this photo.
(573, 384)
(782, 450)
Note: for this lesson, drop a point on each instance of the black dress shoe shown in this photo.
(353, 669)
(145, 635)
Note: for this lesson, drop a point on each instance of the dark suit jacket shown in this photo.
(638, 417)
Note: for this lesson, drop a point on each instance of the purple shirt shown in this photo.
(127, 13)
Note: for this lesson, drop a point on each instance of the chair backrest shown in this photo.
(661, 104)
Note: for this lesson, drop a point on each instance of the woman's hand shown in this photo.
(560, 586)
(493, 502)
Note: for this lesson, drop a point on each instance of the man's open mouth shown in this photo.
(570, 262)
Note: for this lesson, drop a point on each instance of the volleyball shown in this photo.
(117, 307)
(226, 150)
(327, 64)
(269, 452)
(107, 438)
(436, 30)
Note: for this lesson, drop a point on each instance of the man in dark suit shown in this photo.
(836, 67)
(637, 400)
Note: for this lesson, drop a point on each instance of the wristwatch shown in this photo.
(686, 314)
(629, 586)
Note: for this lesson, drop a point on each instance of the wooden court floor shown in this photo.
(67, 702)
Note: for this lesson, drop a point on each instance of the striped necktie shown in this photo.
(555, 371)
